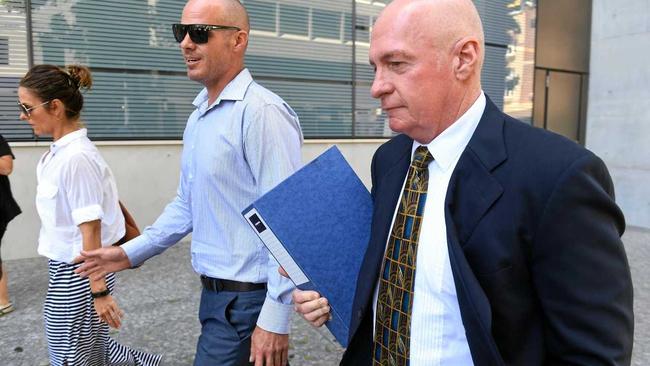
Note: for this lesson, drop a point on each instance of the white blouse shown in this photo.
(75, 185)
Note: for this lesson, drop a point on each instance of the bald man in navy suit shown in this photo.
(519, 259)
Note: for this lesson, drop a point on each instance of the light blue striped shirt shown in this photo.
(234, 150)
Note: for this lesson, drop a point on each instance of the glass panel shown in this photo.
(138, 37)
(520, 61)
(371, 121)
(13, 65)
(304, 49)
(347, 27)
(140, 89)
(326, 24)
(294, 20)
(565, 35)
(132, 106)
(540, 98)
(494, 74)
(498, 20)
(363, 29)
(313, 74)
(262, 15)
(4, 51)
(324, 109)
(564, 104)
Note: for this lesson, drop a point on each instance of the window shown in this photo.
(4, 51)
(294, 20)
(303, 51)
(326, 24)
(13, 65)
(262, 15)
(140, 87)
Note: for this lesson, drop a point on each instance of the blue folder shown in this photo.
(316, 224)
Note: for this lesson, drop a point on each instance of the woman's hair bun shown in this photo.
(80, 76)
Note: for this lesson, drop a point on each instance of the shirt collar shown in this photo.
(67, 139)
(447, 147)
(234, 90)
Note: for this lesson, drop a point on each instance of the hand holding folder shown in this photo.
(316, 224)
(310, 305)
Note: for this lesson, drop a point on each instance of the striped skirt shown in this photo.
(75, 336)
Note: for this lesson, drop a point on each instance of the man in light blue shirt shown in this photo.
(240, 142)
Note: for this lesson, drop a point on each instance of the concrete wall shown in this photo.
(144, 188)
(618, 120)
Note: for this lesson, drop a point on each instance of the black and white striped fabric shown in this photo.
(75, 336)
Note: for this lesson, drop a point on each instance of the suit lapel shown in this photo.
(388, 188)
(472, 188)
(472, 191)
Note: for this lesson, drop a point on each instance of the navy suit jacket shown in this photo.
(534, 244)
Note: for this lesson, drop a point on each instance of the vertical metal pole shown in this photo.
(579, 129)
(30, 39)
(547, 80)
(354, 66)
(30, 44)
(535, 66)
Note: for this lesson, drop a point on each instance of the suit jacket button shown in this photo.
(359, 314)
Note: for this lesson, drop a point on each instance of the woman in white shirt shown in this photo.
(77, 202)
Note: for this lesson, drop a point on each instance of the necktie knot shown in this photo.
(422, 157)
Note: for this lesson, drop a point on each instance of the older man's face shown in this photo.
(412, 78)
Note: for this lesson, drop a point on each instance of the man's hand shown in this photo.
(99, 262)
(269, 349)
(283, 272)
(312, 307)
(108, 311)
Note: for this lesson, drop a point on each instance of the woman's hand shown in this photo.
(105, 306)
(108, 311)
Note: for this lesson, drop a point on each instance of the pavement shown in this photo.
(161, 299)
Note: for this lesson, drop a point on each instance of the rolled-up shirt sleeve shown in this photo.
(84, 191)
(272, 147)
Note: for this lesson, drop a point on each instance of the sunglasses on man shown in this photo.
(198, 32)
(26, 109)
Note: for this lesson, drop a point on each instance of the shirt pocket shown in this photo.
(46, 195)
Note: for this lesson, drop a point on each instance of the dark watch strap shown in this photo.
(97, 295)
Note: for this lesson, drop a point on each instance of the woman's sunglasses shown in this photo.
(26, 109)
(198, 32)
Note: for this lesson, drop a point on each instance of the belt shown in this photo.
(218, 285)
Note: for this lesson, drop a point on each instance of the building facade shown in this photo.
(312, 53)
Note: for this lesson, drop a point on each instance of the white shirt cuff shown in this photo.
(275, 317)
(87, 214)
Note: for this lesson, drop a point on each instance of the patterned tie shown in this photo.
(395, 300)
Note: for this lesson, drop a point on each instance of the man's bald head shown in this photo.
(224, 12)
(435, 23)
(428, 56)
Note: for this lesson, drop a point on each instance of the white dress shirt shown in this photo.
(75, 185)
(437, 331)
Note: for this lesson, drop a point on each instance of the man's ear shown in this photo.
(241, 41)
(467, 60)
